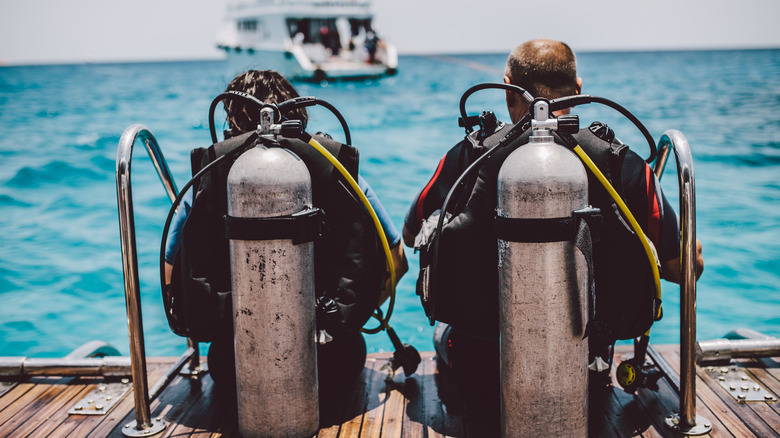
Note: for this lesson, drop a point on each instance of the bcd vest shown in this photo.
(466, 286)
(349, 262)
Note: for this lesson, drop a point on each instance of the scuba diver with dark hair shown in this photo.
(467, 342)
(349, 274)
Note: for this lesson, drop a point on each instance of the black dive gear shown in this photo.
(469, 209)
(348, 287)
(198, 300)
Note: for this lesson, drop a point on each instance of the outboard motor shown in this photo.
(544, 289)
(269, 194)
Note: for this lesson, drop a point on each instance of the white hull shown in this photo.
(310, 40)
(299, 66)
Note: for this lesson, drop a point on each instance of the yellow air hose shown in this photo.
(630, 217)
(380, 231)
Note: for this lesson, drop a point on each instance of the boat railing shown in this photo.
(687, 422)
(189, 362)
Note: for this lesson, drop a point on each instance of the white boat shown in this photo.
(306, 39)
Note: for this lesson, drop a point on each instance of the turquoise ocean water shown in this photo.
(60, 262)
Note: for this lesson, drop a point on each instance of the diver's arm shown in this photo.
(173, 243)
(401, 266)
(168, 272)
(672, 269)
(408, 237)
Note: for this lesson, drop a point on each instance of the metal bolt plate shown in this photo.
(702, 426)
(155, 426)
(101, 399)
(741, 387)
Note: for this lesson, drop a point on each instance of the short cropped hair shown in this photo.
(266, 85)
(544, 68)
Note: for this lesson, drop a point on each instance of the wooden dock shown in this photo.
(416, 407)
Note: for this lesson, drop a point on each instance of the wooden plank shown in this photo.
(769, 382)
(329, 431)
(426, 404)
(180, 406)
(605, 414)
(767, 411)
(8, 398)
(708, 393)
(19, 398)
(100, 427)
(395, 415)
(704, 407)
(29, 406)
(53, 423)
(631, 406)
(356, 404)
(375, 407)
(433, 415)
(213, 412)
(668, 403)
(413, 421)
(49, 412)
(453, 404)
(772, 366)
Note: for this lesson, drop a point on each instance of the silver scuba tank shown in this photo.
(273, 300)
(543, 293)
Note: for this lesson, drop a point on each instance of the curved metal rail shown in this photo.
(687, 423)
(143, 425)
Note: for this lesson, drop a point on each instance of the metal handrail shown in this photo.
(144, 425)
(688, 422)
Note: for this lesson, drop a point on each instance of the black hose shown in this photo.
(287, 105)
(581, 99)
(250, 141)
(233, 95)
(526, 95)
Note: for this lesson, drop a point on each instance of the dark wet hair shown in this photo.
(545, 68)
(266, 85)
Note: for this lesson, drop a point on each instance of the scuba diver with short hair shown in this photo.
(349, 263)
(469, 347)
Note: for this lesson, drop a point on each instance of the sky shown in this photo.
(62, 31)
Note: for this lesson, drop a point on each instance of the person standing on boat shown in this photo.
(341, 360)
(547, 69)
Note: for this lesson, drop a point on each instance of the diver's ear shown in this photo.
(510, 95)
(579, 85)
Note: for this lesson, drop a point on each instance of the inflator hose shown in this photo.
(383, 320)
(623, 209)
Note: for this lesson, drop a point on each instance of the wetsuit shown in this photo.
(473, 353)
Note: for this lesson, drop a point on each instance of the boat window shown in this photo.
(312, 30)
(247, 25)
(359, 26)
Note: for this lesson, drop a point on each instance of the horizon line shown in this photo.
(429, 54)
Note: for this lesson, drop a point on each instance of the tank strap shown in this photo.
(557, 229)
(303, 226)
(582, 228)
